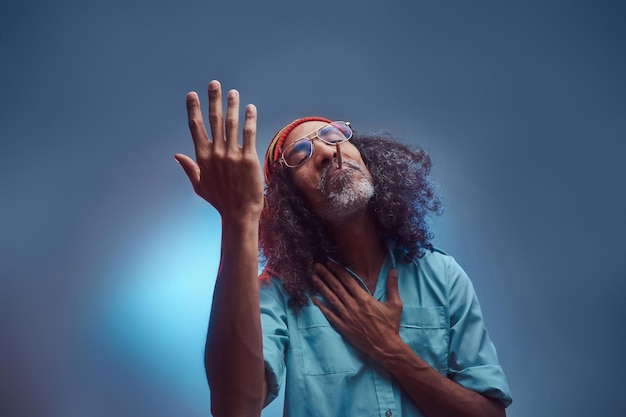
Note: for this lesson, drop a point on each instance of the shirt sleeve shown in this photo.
(472, 361)
(275, 336)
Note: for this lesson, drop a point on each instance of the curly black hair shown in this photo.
(292, 238)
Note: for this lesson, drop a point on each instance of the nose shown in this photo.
(324, 154)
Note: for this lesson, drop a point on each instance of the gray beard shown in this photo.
(344, 195)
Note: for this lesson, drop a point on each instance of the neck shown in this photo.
(360, 246)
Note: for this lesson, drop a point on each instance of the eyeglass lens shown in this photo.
(302, 149)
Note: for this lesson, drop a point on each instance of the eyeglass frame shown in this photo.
(311, 137)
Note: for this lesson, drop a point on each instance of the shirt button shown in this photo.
(388, 413)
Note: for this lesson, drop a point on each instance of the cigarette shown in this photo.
(339, 160)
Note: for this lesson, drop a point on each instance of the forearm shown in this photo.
(234, 352)
(434, 394)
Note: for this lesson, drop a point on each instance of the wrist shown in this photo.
(396, 355)
(241, 221)
(240, 231)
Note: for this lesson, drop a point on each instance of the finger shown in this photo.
(328, 294)
(327, 312)
(330, 281)
(393, 296)
(347, 281)
(249, 129)
(190, 167)
(232, 119)
(196, 124)
(216, 117)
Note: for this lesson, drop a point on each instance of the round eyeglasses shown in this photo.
(299, 151)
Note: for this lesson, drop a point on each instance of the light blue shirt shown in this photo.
(325, 376)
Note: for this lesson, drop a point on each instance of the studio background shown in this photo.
(108, 259)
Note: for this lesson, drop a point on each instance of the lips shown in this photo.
(332, 174)
(335, 170)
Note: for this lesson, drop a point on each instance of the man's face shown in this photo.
(333, 194)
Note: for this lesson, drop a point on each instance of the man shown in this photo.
(355, 307)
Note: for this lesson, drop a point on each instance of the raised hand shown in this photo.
(228, 176)
(369, 325)
(224, 173)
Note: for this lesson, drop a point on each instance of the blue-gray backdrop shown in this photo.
(107, 258)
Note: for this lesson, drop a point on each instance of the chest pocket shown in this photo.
(324, 351)
(426, 331)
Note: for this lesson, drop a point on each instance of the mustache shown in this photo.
(323, 184)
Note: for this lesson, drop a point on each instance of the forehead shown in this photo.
(303, 130)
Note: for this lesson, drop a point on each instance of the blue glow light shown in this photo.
(153, 315)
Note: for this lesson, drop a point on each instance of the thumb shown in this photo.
(393, 296)
(190, 167)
